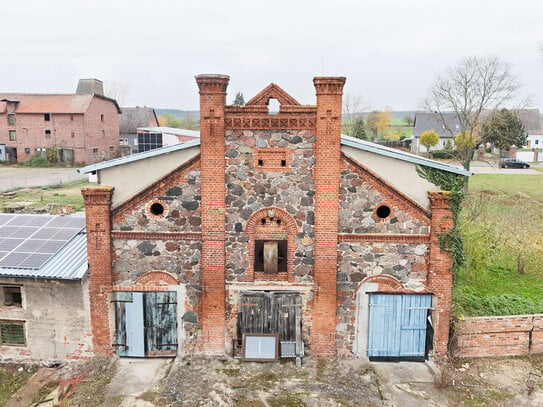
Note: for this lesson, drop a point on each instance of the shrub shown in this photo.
(36, 161)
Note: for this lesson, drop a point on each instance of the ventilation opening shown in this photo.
(260, 163)
(283, 163)
(383, 211)
(273, 106)
(157, 209)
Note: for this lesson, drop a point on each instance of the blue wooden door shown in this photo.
(146, 323)
(129, 321)
(397, 325)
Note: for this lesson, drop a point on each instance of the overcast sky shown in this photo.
(389, 50)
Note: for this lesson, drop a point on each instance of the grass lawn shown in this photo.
(37, 197)
(501, 225)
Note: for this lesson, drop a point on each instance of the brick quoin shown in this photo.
(440, 274)
(98, 218)
(326, 172)
(212, 101)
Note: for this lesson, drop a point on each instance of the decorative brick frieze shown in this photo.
(382, 238)
(155, 236)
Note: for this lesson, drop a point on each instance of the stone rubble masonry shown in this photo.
(326, 174)
(513, 335)
(440, 271)
(251, 188)
(358, 199)
(98, 218)
(212, 149)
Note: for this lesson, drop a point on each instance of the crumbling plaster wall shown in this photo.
(56, 317)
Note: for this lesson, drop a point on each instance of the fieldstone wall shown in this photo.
(356, 261)
(358, 201)
(134, 258)
(182, 210)
(250, 189)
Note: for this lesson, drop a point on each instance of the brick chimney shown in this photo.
(90, 87)
(326, 172)
(212, 150)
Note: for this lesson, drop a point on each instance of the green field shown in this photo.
(501, 223)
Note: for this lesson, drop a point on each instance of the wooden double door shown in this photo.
(146, 323)
(273, 312)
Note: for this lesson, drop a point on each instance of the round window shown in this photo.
(383, 211)
(157, 209)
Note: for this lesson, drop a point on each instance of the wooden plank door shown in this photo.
(129, 321)
(160, 323)
(397, 325)
(413, 329)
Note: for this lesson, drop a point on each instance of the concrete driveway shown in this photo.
(21, 177)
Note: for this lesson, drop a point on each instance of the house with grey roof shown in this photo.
(130, 119)
(44, 297)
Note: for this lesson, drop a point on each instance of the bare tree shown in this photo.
(118, 91)
(474, 85)
(353, 108)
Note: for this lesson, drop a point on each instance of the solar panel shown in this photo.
(35, 260)
(28, 241)
(10, 244)
(23, 232)
(6, 231)
(50, 246)
(14, 259)
(31, 245)
(45, 233)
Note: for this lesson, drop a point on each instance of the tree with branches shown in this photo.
(474, 85)
(239, 100)
(429, 139)
(503, 129)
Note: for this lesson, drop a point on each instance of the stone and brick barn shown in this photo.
(271, 224)
(83, 127)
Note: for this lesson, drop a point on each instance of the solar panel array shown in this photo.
(28, 241)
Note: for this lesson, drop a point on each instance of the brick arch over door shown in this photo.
(271, 224)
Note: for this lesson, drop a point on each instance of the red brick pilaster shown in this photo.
(98, 219)
(326, 172)
(212, 311)
(440, 275)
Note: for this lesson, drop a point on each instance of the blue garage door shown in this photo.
(397, 325)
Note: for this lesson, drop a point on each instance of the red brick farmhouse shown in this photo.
(272, 235)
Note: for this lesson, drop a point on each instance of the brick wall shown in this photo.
(513, 335)
(212, 312)
(440, 272)
(80, 132)
(98, 217)
(326, 173)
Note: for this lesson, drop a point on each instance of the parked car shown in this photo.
(513, 163)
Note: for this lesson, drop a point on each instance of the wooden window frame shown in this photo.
(3, 324)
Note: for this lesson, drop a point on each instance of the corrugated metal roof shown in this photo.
(400, 155)
(345, 140)
(139, 156)
(69, 263)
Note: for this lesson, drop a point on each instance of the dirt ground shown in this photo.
(191, 382)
